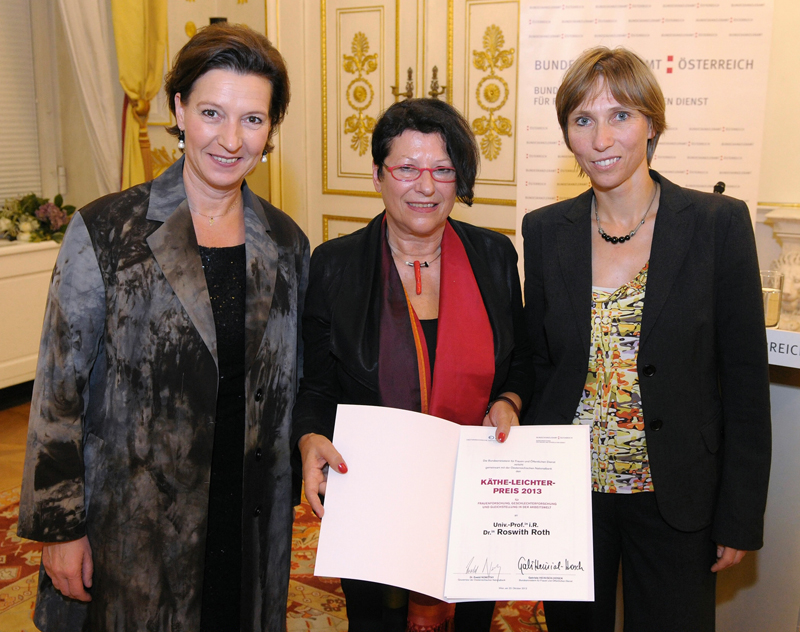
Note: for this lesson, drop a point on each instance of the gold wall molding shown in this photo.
(397, 45)
(359, 92)
(324, 66)
(328, 219)
(495, 201)
(505, 231)
(492, 92)
(450, 18)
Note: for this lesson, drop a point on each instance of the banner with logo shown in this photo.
(710, 58)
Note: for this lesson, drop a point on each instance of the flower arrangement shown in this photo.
(31, 218)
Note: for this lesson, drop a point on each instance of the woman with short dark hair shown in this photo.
(431, 116)
(416, 311)
(237, 49)
(157, 471)
(643, 303)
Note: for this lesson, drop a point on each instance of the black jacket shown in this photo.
(702, 361)
(342, 315)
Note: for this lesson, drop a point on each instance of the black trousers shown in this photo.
(366, 611)
(667, 583)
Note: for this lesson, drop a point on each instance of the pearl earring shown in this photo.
(181, 139)
(264, 156)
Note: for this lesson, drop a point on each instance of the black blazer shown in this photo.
(702, 360)
(342, 316)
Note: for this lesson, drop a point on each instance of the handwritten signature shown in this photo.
(489, 568)
(527, 564)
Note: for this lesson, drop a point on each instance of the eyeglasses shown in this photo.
(409, 173)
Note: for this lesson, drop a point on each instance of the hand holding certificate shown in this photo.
(447, 511)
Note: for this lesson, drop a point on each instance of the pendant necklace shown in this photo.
(621, 240)
(210, 218)
(418, 265)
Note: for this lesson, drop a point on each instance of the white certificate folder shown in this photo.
(447, 511)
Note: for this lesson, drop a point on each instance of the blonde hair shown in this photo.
(625, 75)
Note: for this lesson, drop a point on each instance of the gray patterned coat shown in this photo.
(121, 426)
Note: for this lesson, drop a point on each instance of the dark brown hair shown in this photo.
(431, 116)
(229, 47)
(625, 75)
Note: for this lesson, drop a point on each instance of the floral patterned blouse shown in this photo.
(611, 401)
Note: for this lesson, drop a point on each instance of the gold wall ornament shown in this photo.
(190, 29)
(162, 160)
(492, 91)
(360, 92)
(409, 93)
(436, 90)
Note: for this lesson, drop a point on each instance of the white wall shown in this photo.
(780, 160)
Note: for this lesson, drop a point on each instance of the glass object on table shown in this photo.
(771, 289)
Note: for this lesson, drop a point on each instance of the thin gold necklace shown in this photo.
(211, 218)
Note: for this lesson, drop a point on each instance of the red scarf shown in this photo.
(464, 371)
(462, 376)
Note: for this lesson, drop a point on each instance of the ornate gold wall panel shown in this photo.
(360, 93)
(492, 92)
(368, 48)
(358, 68)
(395, 36)
(485, 62)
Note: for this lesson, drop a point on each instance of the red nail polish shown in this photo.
(501, 437)
(342, 468)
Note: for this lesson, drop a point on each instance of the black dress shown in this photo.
(222, 578)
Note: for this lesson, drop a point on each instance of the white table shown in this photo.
(25, 271)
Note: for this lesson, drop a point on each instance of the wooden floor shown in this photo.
(14, 409)
(19, 560)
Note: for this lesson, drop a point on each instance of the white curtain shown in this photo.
(91, 47)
